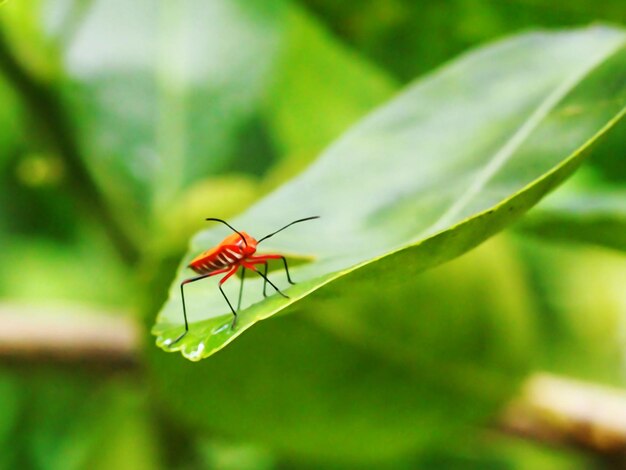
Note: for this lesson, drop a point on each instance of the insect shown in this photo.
(235, 251)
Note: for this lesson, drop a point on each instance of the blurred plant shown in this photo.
(123, 125)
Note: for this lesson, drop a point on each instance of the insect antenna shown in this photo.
(231, 227)
(288, 225)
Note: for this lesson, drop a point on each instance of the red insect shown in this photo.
(235, 251)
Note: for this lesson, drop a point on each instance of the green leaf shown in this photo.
(108, 423)
(33, 43)
(11, 408)
(578, 308)
(405, 37)
(307, 111)
(163, 102)
(583, 212)
(607, 162)
(452, 160)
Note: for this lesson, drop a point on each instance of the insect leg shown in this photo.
(243, 274)
(287, 271)
(265, 280)
(257, 260)
(251, 266)
(182, 295)
(266, 257)
(222, 281)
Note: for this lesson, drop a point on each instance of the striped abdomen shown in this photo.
(219, 257)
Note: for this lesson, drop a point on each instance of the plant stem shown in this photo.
(69, 333)
(48, 113)
(568, 412)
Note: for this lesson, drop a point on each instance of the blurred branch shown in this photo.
(550, 409)
(563, 411)
(67, 333)
(47, 111)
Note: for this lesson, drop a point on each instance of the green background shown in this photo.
(124, 124)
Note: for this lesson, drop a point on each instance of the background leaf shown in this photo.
(579, 305)
(585, 209)
(183, 56)
(320, 89)
(408, 38)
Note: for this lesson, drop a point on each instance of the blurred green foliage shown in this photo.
(183, 110)
(408, 38)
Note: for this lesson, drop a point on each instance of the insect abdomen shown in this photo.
(213, 260)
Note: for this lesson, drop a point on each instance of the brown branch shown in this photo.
(67, 333)
(563, 411)
(550, 409)
(48, 112)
